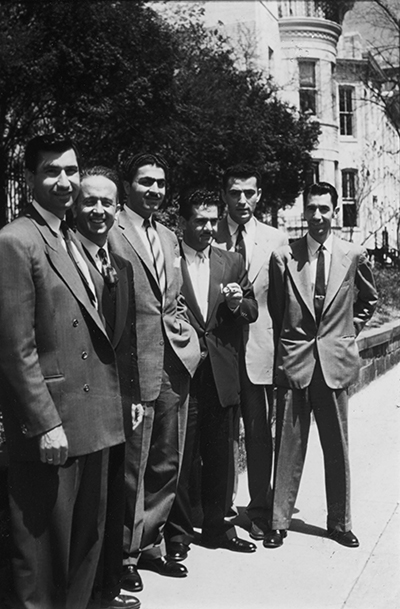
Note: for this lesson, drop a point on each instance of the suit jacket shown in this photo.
(299, 340)
(118, 311)
(57, 364)
(257, 337)
(220, 334)
(157, 319)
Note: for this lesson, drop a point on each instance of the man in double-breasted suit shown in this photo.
(240, 231)
(220, 302)
(321, 294)
(95, 211)
(168, 353)
(60, 390)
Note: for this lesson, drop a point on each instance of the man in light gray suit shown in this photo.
(168, 354)
(241, 231)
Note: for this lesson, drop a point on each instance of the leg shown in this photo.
(292, 430)
(258, 441)
(57, 518)
(330, 410)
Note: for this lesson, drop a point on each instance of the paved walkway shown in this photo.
(310, 571)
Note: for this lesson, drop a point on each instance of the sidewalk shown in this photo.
(310, 571)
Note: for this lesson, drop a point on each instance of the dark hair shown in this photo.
(243, 172)
(51, 142)
(139, 160)
(196, 197)
(320, 188)
(106, 172)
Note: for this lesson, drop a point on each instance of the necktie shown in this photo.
(83, 272)
(319, 292)
(107, 270)
(156, 251)
(240, 244)
(202, 281)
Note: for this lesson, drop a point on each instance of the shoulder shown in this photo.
(222, 231)
(271, 232)
(19, 230)
(351, 249)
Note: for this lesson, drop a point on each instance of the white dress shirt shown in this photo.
(313, 247)
(249, 236)
(198, 265)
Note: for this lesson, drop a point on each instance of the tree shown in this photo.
(120, 78)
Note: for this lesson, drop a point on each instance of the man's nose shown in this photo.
(317, 214)
(98, 208)
(154, 188)
(242, 198)
(208, 226)
(63, 180)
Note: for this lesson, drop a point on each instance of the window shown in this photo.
(312, 173)
(307, 87)
(346, 110)
(349, 183)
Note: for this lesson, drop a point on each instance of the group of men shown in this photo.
(124, 354)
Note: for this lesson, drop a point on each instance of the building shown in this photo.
(327, 73)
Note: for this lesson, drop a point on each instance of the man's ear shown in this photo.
(223, 195)
(182, 223)
(30, 178)
(259, 193)
(117, 210)
(74, 209)
(127, 187)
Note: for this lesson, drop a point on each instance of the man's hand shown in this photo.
(53, 446)
(233, 295)
(137, 412)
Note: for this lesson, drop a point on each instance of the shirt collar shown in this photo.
(136, 219)
(91, 247)
(313, 246)
(233, 226)
(53, 221)
(190, 253)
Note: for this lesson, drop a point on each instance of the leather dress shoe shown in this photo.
(274, 539)
(163, 566)
(122, 601)
(130, 579)
(177, 551)
(345, 538)
(259, 529)
(235, 544)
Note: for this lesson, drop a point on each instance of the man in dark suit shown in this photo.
(94, 212)
(168, 354)
(240, 231)
(60, 390)
(322, 293)
(220, 302)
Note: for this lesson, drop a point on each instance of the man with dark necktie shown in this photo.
(168, 355)
(220, 302)
(59, 390)
(321, 294)
(94, 212)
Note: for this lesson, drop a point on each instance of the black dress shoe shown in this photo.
(274, 539)
(130, 579)
(259, 529)
(347, 538)
(235, 544)
(177, 551)
(163, 566)
(122, 601)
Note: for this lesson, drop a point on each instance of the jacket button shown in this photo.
(206, 333)
(86, 388)
(75, 323)
(161, 342)
(84, 355)
(24, 429)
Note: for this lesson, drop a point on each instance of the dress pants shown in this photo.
(210, 430)
(57, 525)
(294, 408)
(107, 583)
(153, 457)
(255, 401)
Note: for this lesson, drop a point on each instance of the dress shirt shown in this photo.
(249, 236)
(313, 250)
(198, 265)
(137, 222)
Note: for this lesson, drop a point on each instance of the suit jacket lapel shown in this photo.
(169, 254)
(62, 264)
(134, 239)
(340, 263)
(299, 270)
(216, 278)
(260, 253)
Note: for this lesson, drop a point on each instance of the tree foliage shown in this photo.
(119, 78)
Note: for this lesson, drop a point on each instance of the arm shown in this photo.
(239, 297)
(367, 296)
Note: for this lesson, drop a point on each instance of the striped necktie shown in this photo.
(156, 251)
(319, 291)
(240, 245)
(107, 270)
